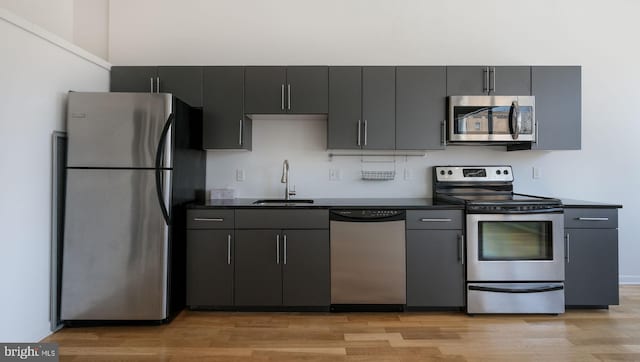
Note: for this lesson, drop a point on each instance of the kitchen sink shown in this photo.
(283, 202)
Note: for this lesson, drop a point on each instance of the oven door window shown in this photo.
(515, 240)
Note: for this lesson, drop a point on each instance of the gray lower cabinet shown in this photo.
(435, 269)
(224, 125)
(420, 108)
(361, 108)
(210, 257)
(591, 269)
(258, 279)
(282, 268)
(306, 268)
(488, 80)
(185, 82)
(278, 90)
(210, 264)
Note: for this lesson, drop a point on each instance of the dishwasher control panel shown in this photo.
(368, 214)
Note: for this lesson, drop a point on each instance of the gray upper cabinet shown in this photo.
(307, 90)
(133, 79)
(420, 107)
(183, 82)
(378, 108)
(344, 124)
(558, 107)
(488, 80)
(361, 108)
(224, 124)
(265, 90)
(276, 90)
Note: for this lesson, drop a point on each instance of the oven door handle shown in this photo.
(548, 288)
(515, 120)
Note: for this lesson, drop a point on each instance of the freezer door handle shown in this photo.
(159, 156)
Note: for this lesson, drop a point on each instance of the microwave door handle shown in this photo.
(515, 120)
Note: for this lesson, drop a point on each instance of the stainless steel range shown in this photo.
(515, 245)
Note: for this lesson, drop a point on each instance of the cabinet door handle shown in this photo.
(359, 131)
(240, 134)
(289, 97)
(278, 249)
(157, 84)
(229, 249)
(492, 88)
(282, 97)
(461, 246)
(444, 133)
(485, 80)
(435, 220)
(285, 248)
(567, 241)
(151, 80)
(365, 132)
(593, 219)
(214, 219)
(535, 136)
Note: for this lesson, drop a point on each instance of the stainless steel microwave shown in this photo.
(492, 119)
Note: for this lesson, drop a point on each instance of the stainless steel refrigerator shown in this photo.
(133, 161)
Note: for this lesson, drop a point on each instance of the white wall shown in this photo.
(83, 22)
(54, 16)
(91, 26)
(598, 35)
(38, 70)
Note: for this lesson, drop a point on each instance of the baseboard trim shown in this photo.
(629, 279)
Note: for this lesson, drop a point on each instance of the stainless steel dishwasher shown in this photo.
(368, 259)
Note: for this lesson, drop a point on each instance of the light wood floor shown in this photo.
(578, 335)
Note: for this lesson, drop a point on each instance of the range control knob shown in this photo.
(442, 172)
(506, 172)
(450, 172)
(498, 172)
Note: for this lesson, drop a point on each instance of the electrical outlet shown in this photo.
(335, 174)
(536, 172)
(240, 174)
(407, 174)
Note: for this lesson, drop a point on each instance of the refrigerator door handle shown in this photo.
(159, 156)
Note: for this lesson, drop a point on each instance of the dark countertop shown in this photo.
(400, 203)
(571, 203)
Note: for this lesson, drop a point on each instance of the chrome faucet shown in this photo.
(285, 180)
